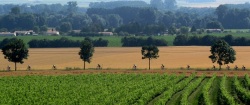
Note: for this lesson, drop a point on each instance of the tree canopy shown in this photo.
(86, 51)
(149, 52)
(222, 53)
(15, 51)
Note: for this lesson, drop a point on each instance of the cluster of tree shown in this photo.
(137, 29)
(64, 18)
(135, 42)
(38, 8)
(64, 42)
(56, 43)
(84, 34)
(146, 20)
(128, 16)
(208, 40)
(241, 17)
(115, 4)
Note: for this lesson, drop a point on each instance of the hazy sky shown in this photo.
(86, 2)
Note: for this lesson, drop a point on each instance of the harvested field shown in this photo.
(123, 58)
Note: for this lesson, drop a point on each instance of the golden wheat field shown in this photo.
(124, 58)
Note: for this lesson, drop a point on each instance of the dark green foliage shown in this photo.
(184, 30)
(208, 40)
(239, 14)
(100, 43)
(222, 53)
(86, 51)
(65, 27)
(15, 51)
(214, 25)
(180, 40)
(172, 30)
(149, 52)
(193, 29)
(116, 4)
(135, 42)
(62, 42)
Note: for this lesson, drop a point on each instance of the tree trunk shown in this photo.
(149, 63)
(84, 65)
(15, 66)
(220, 67)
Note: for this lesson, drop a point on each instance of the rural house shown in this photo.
(7, 34)
(106, 33)
(52, 31)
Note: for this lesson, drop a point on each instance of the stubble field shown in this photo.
(117, 58)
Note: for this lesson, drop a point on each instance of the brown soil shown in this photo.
(77, 72)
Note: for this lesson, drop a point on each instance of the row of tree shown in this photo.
(58, 43)
(64, 42)
(15, 51)
(208, 40)
(137, 42)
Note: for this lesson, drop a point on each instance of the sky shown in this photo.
(85, 3)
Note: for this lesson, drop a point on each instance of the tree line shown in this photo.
(147, 20)
(138, 42)
(208, 40)
(16, 51)
(58, 43)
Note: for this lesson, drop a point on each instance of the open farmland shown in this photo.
(125, 89)
(124, 58)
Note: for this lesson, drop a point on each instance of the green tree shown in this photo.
(43, 28)
(193, 29)
(66, 27)
(214, 25)
(86, 52)
(15, 51)
(15, 10)
(222, 53)
(184, 30)
(150, 52)
(172, 30)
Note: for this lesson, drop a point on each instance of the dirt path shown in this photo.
(72, 72)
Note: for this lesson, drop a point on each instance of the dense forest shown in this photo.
(139, 19)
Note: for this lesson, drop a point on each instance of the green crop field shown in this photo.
(125, 89)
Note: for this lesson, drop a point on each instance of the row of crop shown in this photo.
(144, 91)
(189, 89)
(205, 92)
(247, 81)
(167, 95)
(128, 91)
(82, 89)
(242, 93)
(157, 90)
(224, 95)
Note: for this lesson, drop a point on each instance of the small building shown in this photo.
(76, 31)
(214, 30)
(52, 31)
(7, 34)
(30, 32)
(106, 33)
